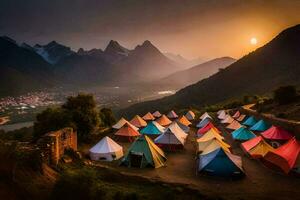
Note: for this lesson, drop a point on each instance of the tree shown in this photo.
(107, 117)
(83, 113)
(285, 94)
(51, 119)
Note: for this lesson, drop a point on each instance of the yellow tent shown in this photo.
(209, 135)
(184, 121)
(211, 145)
(261, 149)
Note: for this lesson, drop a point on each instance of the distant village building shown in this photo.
(54, 144)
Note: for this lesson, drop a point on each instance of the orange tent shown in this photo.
(256, 147)
(184, 121)
(285, 157)
(127, 131)
(148, 117)
(164, 120)
(138, 121)
(241, 118)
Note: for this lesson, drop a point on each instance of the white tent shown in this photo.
(219, 112)
(222, 115)
(121, 123)
(205, 115)
(190, 115)
(227, 120)
(106, 149)
(172, 135)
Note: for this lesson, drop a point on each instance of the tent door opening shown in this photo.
(136, 160)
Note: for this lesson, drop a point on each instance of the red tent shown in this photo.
(128, 132)
(251, 143)
(276, 133)
(284, 157)
(206, 128)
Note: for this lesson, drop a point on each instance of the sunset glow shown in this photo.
(253, 41)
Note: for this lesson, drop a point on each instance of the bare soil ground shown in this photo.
(259, 183)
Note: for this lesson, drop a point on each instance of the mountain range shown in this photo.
(275, 64)
(53, 64)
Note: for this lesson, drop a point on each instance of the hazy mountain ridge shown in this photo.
(276, 63)
(196, 73)
(56, 64)
(21, 67)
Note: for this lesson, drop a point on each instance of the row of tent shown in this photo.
(214, 154)
(285, 158)
(143, 152)
(129, 130)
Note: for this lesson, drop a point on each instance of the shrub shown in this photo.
(285, 94)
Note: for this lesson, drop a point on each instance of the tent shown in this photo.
(190, 115)
(228, 119)
(138, 121)
(250, 121)
(144, 153)
(236, 115)
(234, 125)
(152, 128)
(172, 114)
(164, 120)
(209, 135)
(241, 118)
(128, 132)
(203, 122)
(242, 134)
(156, 114)
(222, 114)
(184, 121)
(220, 163)
(285, 157)
(183, 127)
(121, 123)
(219, 112)
(148, 117)
(277, 133)
(211, 145)
(106, 149)
(206, 128)
(256, 147)
(261, 125)
(205, 115)
(173, 137)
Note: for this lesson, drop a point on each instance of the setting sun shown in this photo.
(253, 41)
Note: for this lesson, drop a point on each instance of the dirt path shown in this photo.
(259, 183)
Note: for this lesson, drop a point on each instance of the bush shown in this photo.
(285, 94)
(107, 118)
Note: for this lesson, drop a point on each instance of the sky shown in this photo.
(191, 28)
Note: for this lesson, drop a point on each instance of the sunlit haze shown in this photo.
(193, 28)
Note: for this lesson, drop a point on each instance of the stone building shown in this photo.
(54, 144)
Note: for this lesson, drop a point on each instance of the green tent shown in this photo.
(144, 153)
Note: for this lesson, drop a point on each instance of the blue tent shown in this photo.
(183, 127)
(250, 121)
(151, 129)
(261, 125)
(220, 163)
(203, 122)
(242, 134)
